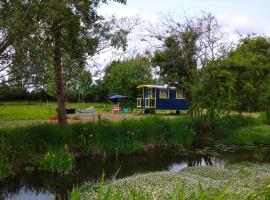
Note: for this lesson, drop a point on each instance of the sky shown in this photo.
(235, 17)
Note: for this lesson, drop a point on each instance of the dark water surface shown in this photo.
(44, 186)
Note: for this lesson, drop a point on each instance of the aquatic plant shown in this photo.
(238, 181)
(60, 161)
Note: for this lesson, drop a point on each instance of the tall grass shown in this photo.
(253, 135)
(5, 165)
(131, 135)
(97, 138)
(105, 138)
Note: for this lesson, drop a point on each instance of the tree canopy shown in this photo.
(123, 77)
(58, 36)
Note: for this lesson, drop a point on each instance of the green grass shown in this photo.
(239, 181)
(40, 110)
(107, 138)
(249, 136)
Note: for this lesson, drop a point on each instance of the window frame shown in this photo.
(161, 95)
(179, 93)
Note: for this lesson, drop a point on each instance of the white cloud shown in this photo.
(241, 24)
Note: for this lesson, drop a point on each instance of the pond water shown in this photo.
(44, 186)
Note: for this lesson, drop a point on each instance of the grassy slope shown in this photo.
(234, 182)
(40, 110)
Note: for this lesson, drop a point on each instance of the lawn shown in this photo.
(40, 110)
(10, 111)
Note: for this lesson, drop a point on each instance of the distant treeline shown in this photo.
(120, 77)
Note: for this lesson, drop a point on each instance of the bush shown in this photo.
(226, 125)
(249, 136)
(61, 161)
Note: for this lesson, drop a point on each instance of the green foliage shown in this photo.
(6, 168)
(61, 161)
(50, 41)
(239, 81)
(248, 136)
(97, 139)
(226, 125)
(123, 77)
(131, 135)
(176, 61)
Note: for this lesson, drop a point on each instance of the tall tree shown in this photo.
(239, 81)
(187, 47)
(62, 30)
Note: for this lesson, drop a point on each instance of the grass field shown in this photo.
(40, 110)
(31, 112)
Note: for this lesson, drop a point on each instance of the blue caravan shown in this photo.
(156, 97)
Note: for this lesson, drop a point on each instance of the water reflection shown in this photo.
(44, 186)
(196, 160)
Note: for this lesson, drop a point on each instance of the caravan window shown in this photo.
(149, 93)
(179, 95)
(164, 93)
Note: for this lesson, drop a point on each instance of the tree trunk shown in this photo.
(62, 118)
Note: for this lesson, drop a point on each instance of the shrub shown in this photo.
(249, 136)
(60, 161)
(226, 125)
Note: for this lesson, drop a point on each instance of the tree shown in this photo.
(79, 87)
(187, 47)
(125, 76)
(264, 98)
(66, 32)
(239, 81)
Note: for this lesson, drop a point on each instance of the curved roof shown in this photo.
(157, 86)
(117, 96)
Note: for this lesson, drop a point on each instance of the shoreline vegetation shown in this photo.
(38, 147)
(54, 149)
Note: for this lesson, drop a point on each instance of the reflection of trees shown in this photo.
(11, 187)
(207, 160)
(88, 170)
(27, 182)
(196, 160)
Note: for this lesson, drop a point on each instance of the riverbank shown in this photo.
(237, 181)
(22, 145)
(47, 146)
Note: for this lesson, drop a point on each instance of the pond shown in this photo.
(42, 186)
